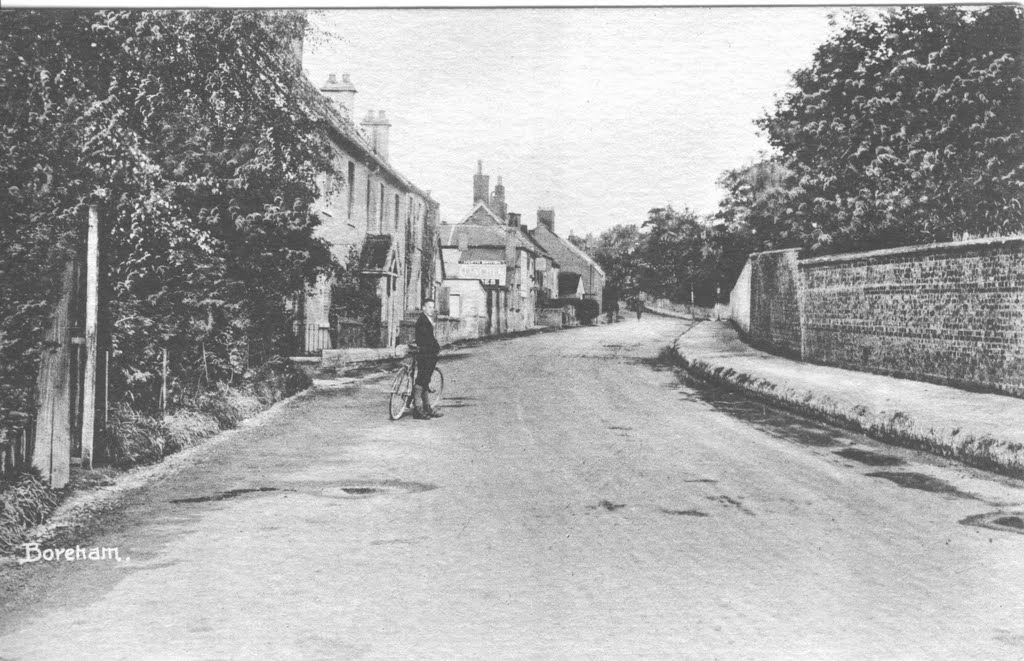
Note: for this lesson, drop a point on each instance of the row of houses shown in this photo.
(489, 273)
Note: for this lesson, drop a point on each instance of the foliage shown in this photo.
(751, 217)
(676, 257)
(193, 132)
(907, 128)
(616, 250)
(354, 296)
(25, 501)
(134, 437)
(587, 310)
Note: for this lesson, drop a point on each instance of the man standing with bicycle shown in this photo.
(426, 359)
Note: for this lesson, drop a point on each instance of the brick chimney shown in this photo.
(377, 128)
(546, 217)
(342, 94)
(510, 245)
(498, 205)
(515, 220)
(481, 184)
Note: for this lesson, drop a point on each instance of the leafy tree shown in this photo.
(617, 251)
(751, 217)
(907, 128)
(674, 257)
(354, 296)
(195, 134)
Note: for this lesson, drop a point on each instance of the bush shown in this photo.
(185, 429)
(134, 438)
(587, 310)
(278, 379)
(24, 502)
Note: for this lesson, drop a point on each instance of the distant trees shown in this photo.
(906, 129)
(191, 129)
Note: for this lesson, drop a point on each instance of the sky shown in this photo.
(600, 113)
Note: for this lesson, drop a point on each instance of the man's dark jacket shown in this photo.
(425, 339)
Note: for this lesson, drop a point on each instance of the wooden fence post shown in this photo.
(163, 387)
(91, 314)
(106, 389)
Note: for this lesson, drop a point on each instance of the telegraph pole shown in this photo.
(91, 309)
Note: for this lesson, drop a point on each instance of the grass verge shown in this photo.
(894, 427)
(133, 438)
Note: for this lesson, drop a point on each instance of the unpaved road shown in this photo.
(577, 501)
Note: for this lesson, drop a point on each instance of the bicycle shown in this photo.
(400, 400)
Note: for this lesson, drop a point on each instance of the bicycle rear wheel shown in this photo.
(401, 393)
(436, 387)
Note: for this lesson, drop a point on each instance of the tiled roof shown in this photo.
(486, 254)
(320, 107)
(477, 235)
(481, 236)
(549, 236)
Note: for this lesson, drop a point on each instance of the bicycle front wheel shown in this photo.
(401, 394)
(436, 387)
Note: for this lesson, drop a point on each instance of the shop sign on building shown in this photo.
(488, 273)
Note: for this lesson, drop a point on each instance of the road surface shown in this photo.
(576, 501)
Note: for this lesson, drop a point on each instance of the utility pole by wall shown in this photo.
(91, 310)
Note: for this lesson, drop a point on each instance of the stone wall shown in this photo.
(775, 302)
(556, 317)
(739, 301)
(950, 313)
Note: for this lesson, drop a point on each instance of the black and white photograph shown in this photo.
(512, 332)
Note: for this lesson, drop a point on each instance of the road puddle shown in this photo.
(732, 502)
(606, 504)
(697, 513)
(922, 482)
(1004, 521)
(368, 489)
(870, 458)
(224, 495)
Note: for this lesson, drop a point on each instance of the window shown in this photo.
(380, 218)
(351, 187)
(369, 200)
(397, 212)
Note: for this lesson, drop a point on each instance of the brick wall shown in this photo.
(775, 302)
(949, 313)
(739, 300)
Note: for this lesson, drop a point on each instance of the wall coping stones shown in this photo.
(776, 251)
(951, 246)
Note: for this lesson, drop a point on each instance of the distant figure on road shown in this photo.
(639, 308)
(427, 360)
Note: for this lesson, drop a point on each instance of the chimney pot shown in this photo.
(546, 217)
(377, 127)
(481, 185)
(343, 94)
